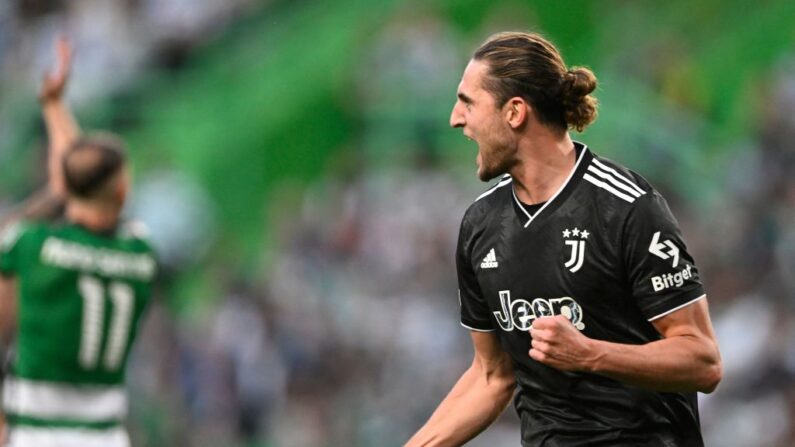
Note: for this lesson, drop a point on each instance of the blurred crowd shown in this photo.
(748, 246)
(115, 40)
(351, 339)
(350, 335)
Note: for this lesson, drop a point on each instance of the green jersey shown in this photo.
(81, 295)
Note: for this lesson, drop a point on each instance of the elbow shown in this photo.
(502, 391)
(502, 383)
(507, 386)
(712, 372)
(711, 377)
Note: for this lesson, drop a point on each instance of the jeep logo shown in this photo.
(520, 314)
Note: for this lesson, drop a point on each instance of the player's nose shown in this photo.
(457, 116)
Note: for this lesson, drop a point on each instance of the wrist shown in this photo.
(595, 354)
(49, 99)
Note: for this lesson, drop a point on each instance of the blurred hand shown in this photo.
(54, 82)
(557, 343)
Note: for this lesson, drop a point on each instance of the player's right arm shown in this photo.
(8, 307)
(9, 265)
(476, 400)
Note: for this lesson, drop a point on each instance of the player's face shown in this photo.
(477, 113)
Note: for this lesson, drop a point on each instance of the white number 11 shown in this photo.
(93, 293)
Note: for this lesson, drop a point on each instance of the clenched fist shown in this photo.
(557, 343)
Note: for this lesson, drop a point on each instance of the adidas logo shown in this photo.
(490, 261)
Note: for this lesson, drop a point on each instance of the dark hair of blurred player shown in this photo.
(96, 180)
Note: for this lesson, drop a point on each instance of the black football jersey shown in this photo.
(605, 252)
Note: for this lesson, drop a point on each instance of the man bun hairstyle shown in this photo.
(91, 162)
(578, 103)
(529, 66)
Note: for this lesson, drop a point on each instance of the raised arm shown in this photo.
(686, 359)
(481, 394)
(62, 129)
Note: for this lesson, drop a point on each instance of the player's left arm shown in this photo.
(62, 131)
(686, 359)
(667, 290)
(62, 127)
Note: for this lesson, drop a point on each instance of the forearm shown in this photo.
(62, 128)
(675, 364)
(471, 406)
(685, 359)
(62, 131)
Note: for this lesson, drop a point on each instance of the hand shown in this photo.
(54, 83)
(557, 343)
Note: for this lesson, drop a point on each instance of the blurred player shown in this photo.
(573, 277)
(82, 284)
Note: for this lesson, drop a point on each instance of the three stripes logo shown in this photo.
(611, 180)
(490, 261)
(576, 240)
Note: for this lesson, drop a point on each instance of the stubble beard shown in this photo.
(495, 161)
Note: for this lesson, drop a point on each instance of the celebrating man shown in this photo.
(574, 280)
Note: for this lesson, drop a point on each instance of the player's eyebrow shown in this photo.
(464, 98)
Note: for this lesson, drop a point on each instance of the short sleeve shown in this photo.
(663, 275)
(139, 231)
(475, 313)
(9, 248)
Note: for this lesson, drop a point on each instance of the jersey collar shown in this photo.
(583, 159)
(106, 233)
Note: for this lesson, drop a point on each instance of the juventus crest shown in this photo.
(576, 240)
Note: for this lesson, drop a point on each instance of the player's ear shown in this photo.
(122, 186)
(516, 110)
